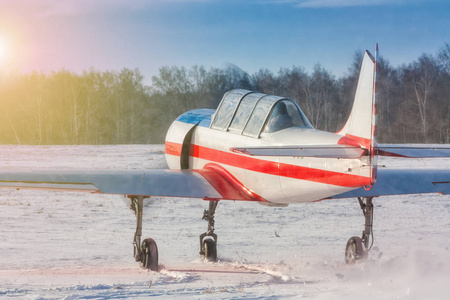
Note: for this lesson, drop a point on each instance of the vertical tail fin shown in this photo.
(361, 123)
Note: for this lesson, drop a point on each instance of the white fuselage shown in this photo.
(277, 179)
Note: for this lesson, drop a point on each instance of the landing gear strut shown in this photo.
(208, 240)
(147, 252)
(358, 247)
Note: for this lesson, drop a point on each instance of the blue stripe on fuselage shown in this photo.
(201, 116)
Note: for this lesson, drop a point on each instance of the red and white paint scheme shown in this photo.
(261, 148)
(290, 163)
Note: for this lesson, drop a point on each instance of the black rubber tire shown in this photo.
(149, 255)
(210, 249)
(355, 250)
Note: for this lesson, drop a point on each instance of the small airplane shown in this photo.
(261, 148)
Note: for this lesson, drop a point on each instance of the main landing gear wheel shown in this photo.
(354, 250)
(149, 255)
(357, 248)
(208, 240)
(147, 252)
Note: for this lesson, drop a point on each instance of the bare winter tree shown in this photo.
(420, 78)
(116, 107)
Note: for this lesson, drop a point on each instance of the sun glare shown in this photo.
(3, 50)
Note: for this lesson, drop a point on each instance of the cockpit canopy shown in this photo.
(250, 113)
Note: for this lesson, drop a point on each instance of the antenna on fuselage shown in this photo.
(373, 140)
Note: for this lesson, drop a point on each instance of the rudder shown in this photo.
(360, 126)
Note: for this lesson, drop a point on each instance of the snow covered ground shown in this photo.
(59, 245)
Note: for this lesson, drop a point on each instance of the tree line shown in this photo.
(116, 107)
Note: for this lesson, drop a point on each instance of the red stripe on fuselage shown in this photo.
(173, 148)
(275, 168)
(356, 141)
(226, 184)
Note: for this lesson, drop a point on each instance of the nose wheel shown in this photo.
(208, 240)
(209, 248)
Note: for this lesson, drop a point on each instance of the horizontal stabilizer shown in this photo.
(321, 151)
(413, 151)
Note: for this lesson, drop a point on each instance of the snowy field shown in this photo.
(59, 245)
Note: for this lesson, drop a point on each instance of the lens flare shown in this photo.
(3, 50)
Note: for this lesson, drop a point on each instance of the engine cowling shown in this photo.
(179, 136)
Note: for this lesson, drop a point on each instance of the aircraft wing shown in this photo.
(205, 184)
(405, 181)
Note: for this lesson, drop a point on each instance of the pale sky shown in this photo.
(49, 35)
